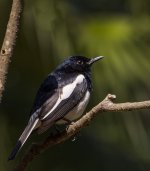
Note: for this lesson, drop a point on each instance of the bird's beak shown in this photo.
(95, 59)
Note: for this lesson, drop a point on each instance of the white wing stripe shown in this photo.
(66, 92)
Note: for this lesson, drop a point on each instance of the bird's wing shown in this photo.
(69, 97)
(47, 90)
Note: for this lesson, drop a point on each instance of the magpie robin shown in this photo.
(62, 97)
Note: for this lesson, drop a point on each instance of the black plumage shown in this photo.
(62, 97)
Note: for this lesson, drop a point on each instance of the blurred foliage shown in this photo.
(51, 30)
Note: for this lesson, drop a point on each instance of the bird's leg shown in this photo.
(59, 129)
(75, 137)
(68, 121)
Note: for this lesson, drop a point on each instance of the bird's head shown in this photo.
(78, 63)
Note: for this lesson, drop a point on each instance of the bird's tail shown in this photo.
(26, 133)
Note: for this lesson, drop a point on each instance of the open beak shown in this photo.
(95, 59)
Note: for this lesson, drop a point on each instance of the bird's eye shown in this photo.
(79, 62)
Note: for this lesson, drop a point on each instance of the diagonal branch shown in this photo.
(9, 42)
(106, 105)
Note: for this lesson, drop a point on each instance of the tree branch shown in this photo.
(106, 105)
(9, 42)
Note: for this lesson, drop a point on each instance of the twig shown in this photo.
(9, 42)
(105, 106)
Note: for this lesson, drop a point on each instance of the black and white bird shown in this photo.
(61, 98)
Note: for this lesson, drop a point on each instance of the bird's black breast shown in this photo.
(64, 79)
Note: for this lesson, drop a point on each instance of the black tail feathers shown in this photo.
(15, 150)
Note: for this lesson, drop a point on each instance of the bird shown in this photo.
(61, 98)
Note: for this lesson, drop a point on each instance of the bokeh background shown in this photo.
(51, 30)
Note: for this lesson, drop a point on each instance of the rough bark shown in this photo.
(9, 42)
(107, 105)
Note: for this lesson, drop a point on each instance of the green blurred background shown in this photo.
(51, 30)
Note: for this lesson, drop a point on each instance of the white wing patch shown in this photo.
(66, 92)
